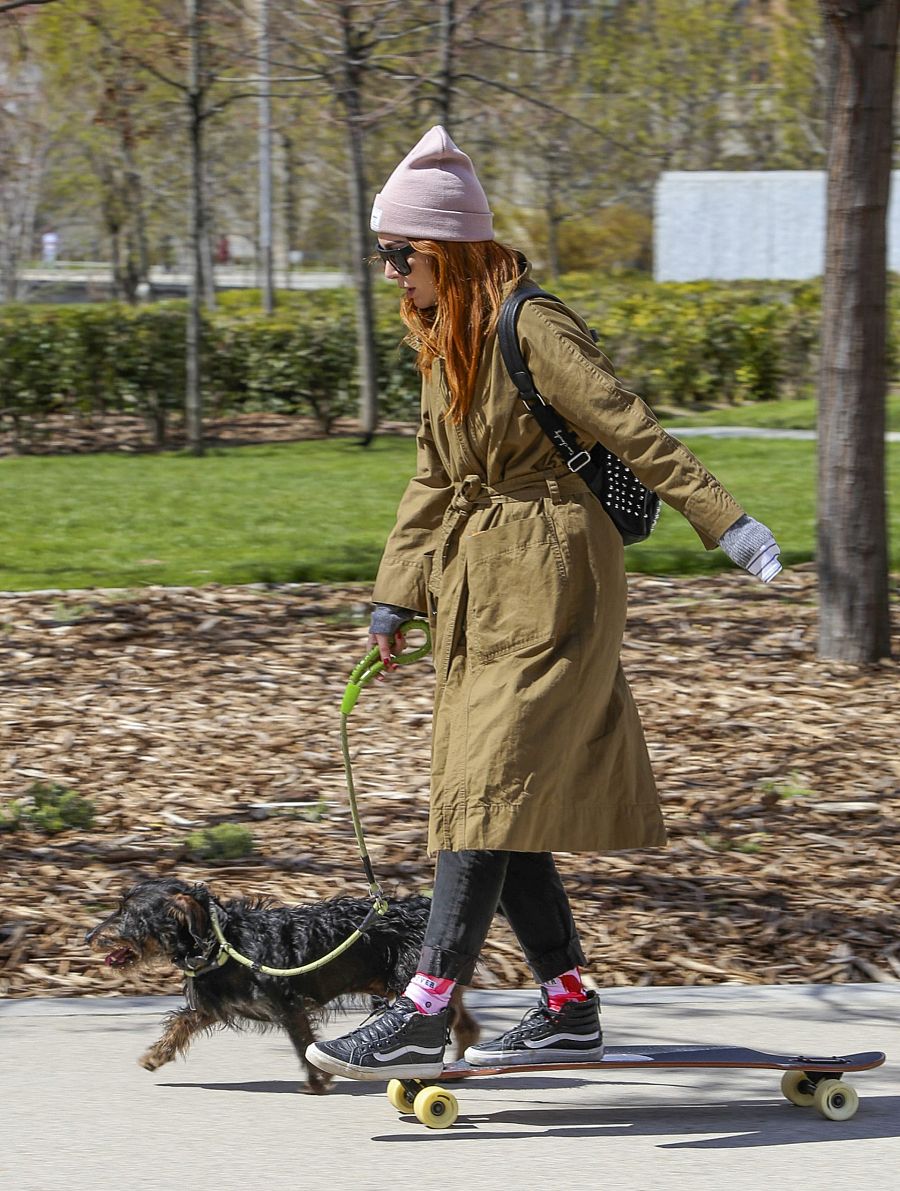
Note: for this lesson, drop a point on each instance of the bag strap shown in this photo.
(575, 457)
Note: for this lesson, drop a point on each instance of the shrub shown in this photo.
(613, 239)
(225, 841)
(48, 807)
(672, 344)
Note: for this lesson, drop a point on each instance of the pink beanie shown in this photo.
(433, 194)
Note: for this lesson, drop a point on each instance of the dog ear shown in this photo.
(200, 893)
(189, 911)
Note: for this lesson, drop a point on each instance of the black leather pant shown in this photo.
(468, 889)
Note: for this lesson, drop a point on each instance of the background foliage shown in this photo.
(675, 345)
(570, 109)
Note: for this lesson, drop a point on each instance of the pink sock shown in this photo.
(567, 987)
(431, 994)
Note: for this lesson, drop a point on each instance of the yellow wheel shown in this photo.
(436, 1108)
(835, 1100)
(798, 1089)
(399, 1097)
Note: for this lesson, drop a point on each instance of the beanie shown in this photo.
(434, 193)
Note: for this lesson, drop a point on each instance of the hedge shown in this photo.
(673, 344)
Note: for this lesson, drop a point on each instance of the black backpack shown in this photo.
(631, 507)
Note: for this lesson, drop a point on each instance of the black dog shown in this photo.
(170, 919)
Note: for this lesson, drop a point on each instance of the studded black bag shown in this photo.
(631, 507)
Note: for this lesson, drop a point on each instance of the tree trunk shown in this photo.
(136, 196)
(447, 71)
(193, 398)
(852, 530)
(291, 223)
(265, 163)
(367, 364)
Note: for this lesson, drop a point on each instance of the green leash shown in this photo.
(368, 669)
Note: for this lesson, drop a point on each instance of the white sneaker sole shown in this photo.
(388, 1071)
(531, 1058)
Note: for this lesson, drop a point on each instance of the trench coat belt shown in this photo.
(473, 492)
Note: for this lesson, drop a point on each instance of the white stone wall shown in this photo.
(718, 225)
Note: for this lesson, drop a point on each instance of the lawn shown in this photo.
(796, 413)
(312, 511)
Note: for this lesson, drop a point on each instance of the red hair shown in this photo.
(471, 279)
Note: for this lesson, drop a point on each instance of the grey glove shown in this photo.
(751, 545)
(387, 618)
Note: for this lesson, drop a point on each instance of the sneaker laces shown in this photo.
(391, 1017)
(530, 1018)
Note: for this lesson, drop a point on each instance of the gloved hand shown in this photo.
(387, 618)
(383, 632)
(751, 545)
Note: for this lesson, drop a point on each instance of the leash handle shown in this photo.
(372, 665)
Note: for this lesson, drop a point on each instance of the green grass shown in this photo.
(775, 481)
(798, 413)
(315, 510)
(312, 511)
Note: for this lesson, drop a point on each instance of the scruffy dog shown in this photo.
(164, 918)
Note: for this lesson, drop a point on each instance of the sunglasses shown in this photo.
(398, 257)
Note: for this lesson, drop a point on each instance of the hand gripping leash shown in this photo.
(362, 675)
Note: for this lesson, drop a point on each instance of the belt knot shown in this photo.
(465, 498)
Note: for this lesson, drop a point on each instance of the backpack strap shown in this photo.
(575, 457)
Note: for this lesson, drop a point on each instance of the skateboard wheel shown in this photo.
(436, 1108)
(835, 1100)
(399, 1097)
(797, 1088)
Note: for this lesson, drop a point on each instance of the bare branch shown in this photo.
(9, 5)
(129, 55)
(549, 107)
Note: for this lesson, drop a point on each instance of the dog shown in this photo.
(165, 918)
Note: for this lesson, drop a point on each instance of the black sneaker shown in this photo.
(573, 1035)
(400, 1044)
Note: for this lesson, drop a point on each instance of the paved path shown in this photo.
(86, 276)
(752, 432)
(79, 1115)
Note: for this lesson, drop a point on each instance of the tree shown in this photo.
(25, 142)
(358, 52)
(852, 530)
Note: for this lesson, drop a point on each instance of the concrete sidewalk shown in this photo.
(80, 1115)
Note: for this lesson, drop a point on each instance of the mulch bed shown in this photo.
(173, 709)
(70, 434)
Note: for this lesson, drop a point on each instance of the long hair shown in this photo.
(471, 279)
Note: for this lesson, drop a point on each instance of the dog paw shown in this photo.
(150, 1062)
(316, 1087)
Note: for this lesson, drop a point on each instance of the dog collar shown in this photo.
(211, 959)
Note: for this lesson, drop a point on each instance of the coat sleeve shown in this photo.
(401, 573)
(574, 377)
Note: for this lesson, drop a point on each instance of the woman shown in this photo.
(537, 745)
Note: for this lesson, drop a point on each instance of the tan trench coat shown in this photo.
(537, 744)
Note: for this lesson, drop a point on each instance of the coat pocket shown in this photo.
(517, 587)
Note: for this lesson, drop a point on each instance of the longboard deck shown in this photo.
(680, 1056)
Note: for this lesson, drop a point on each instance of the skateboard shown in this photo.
(807, 1080)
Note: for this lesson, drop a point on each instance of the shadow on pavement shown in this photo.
(752, 1124)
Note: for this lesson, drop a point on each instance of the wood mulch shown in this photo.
(177, 708)
(69, 434)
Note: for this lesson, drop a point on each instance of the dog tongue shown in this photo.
(117, 958)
